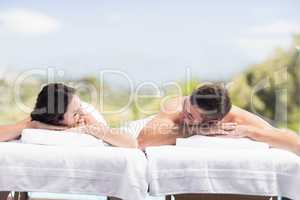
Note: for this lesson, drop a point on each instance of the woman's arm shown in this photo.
(88, 124)
(118, 138)
(112, 136)
(278, 138)
(13, 131)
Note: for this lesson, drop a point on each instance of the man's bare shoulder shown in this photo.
(237, 111)
(172, 105)
(169, 112)
(235, 114)
(242, 116)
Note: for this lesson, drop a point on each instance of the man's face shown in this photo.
(192, 115)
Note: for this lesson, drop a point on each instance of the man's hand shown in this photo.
(40, 125)
(211, 129)
(244, 131)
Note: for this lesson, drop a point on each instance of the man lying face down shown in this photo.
(208, 111)
(58, 105)
(204, 109)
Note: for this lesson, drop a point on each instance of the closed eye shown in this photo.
(75, 114)
(190, 116)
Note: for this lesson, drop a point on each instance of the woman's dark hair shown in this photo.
(212, 98)
(52, 103)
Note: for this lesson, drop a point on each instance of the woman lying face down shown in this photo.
(58, 104)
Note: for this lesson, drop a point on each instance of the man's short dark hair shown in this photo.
(213, 99)
(52, 103)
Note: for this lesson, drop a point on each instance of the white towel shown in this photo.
(58, 138)
(200, 141)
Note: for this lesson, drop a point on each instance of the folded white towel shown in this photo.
(58, 138)
(200, 141)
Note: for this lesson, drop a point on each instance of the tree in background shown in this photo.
(272, 88)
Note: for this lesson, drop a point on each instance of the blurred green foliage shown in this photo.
(271, 88)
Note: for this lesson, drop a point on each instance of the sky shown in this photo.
(148, 40)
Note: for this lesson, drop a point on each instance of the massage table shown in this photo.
(97, 170)
(68, 163)
(228, 174)
(186, 173)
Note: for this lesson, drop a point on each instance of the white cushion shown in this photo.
(58, 138)
(200, 141)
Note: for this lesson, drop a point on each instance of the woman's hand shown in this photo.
(97, 130)
(87, 119)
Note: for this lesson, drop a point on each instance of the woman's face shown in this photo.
(73, 113)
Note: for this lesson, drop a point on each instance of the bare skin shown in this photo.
(82, 122)
(88, 125)
(166, 127)
(13, 131)
(75, 120)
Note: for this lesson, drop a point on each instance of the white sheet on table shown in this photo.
(175, 170)
(201, 141)
(107, 171)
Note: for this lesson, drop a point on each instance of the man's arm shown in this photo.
(163, 129)
(278, 138)
(160, 131)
